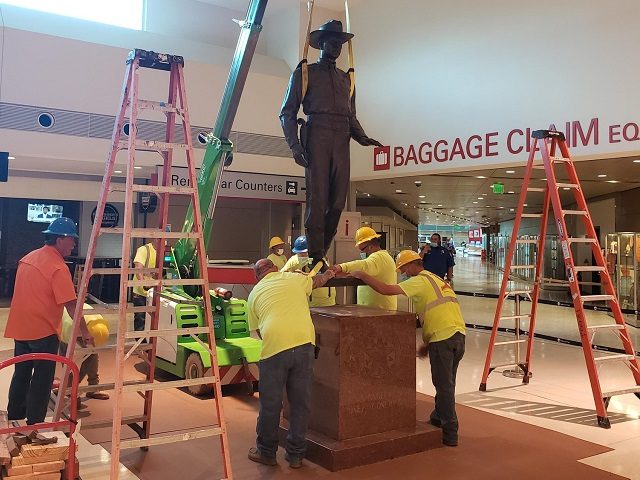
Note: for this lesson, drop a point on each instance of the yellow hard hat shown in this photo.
(406, 256)
(275, 241)
(99, 329)
(364, 234)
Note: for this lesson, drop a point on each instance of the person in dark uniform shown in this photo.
(323, 145)
(437, 259)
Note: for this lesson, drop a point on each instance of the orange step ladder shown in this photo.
(127, 136)
(550, 143)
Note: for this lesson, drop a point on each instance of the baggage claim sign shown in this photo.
(515, 142)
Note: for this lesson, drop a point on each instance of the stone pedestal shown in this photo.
(363, 406)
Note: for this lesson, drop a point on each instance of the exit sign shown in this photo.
(498, 188)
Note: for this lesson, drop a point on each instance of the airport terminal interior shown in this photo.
(506, 128)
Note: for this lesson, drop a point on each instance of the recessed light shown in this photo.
(439, 204)
(488, 206)
(613, 181)
(481, 176)
(475, 202)
(544, 179)
(526, 204)
(511, 171)
(137, 167)
(636, 161)
(512, 209)
(484, 194)
(423, 201)
(480, 198)
(422, 196)
(500, 207)
(452, 210)
(12, 158)
(398, 191)
(602, 175)
(511, 191)
(117, 171)
(405, 204)
(566, 188)
(477, 212)
(418, 182)
(368, 194)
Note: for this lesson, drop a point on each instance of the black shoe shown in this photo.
(435, 422)
(450, 442)
(294, 462)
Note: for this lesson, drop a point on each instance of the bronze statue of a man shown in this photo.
(323, 145)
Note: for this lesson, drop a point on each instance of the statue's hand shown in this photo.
(300, 155)
(373, 142)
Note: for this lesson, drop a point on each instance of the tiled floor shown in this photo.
(558, 397)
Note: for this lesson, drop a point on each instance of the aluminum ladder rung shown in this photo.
(574, 212)
(118, 271)
(518, 292)
(176, 437)
(597, 298)
(143, 347)
(153, 146)
(613, 358)
(164, 189)
(510, 342)
(531, 215)
(514, 317)
(149, 233)
(167, 282)
(621, 391)
(187, 382)
(108, 386)
(526, 241)
(154, 105)
(581, 240)
(595, 268)
(536, 189)
(91, 424)
(112, 309)
(567, 185)
(166, 332)
(502, 365)
(559, 159)
(612, 326)
(522, 267)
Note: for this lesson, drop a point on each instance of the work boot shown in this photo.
(255, 456)
(98, 395)
(294, 462)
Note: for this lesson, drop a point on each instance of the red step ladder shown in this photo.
(129, 137)
(548, 143)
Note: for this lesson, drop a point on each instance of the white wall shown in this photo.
(430, 70)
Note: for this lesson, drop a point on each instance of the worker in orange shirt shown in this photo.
(43, 288)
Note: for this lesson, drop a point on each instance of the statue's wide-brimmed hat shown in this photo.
(332, 28)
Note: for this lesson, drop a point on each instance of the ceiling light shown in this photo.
(398, 191)
(613, 181)
(526, 204)
(477, 212)
(368, 194)
(484, 194)
(500, 207)
(602, 175)
(421, 196)
(137, 167)
(481, 176)
(511, 171)
(423, 201)
(566, 188)
(475, 202)
(512, 209)
(480, 198)
(636, 161)
(439, 204)
(544, 179)
(452, 210)
(488, 206)
(405, 204)
(511, 191)
(117, 171)
(12, 158)
(418, 182)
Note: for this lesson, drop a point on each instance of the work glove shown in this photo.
(300, 155)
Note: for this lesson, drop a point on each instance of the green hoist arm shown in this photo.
(219, 152)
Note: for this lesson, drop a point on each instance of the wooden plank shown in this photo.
(5, 456)
(178, 437)
(27, 476)
(48, 467)
(46, 453)
(19, 470)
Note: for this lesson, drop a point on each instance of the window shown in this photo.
(121, 13)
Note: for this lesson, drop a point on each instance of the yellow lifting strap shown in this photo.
(303, 64)
(351, 71)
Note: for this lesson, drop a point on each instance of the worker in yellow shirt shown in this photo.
(375, 262)
(278, 309)
(276, 252)
(145, 258)
(443, 332)
(320, 297)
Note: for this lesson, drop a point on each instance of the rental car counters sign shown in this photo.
(259, 186)
(591, 138)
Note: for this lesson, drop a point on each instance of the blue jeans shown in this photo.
(31, 383)
(291, 369)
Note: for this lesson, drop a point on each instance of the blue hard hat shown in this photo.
(300, 245)
(63, 226)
